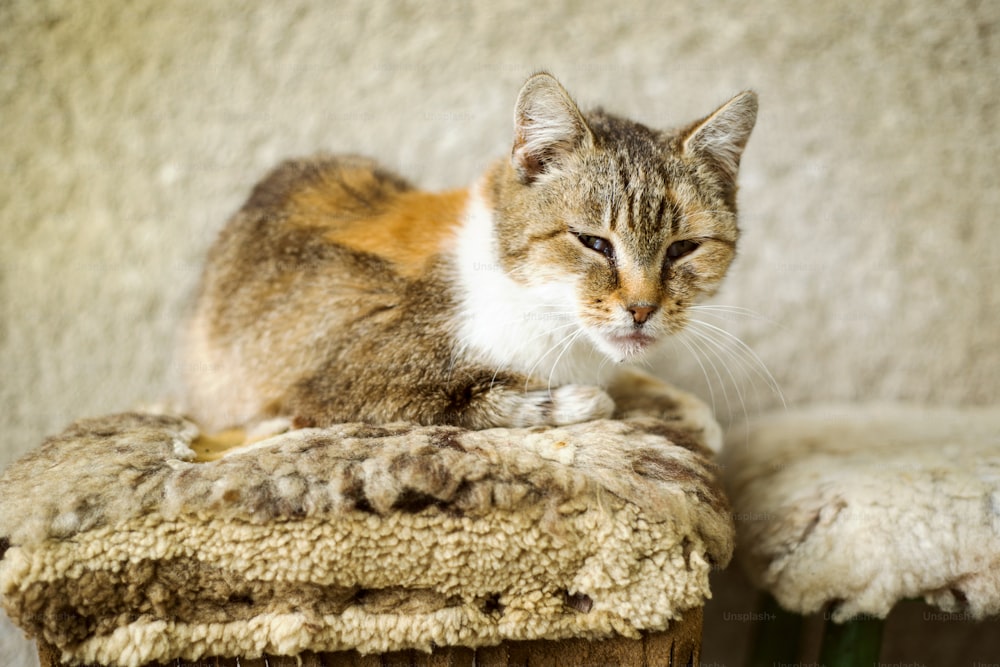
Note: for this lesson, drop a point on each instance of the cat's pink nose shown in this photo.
(641, 312)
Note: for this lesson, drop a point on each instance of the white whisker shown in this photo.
(604, 362)
(726, 312)
(758, 367)
(549, 351)
(696, 351)
(723, 354)
(521, 345)
(555, 363)
(710, 355)
(463, 341)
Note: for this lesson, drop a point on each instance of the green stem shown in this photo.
(856, 642)
(776, 640)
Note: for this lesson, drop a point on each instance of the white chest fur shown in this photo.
(503, 323)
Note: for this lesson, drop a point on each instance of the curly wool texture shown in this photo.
(864, 506)
(121, 549)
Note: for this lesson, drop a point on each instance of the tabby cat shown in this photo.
(340, 293)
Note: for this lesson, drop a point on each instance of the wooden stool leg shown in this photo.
(777, 637)
(855, 642)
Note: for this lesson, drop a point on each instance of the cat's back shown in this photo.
(326, 189)
(322, 246)
(301, 200)
(320, 207)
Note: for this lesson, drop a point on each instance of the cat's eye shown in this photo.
(597, 244)
(679, 249)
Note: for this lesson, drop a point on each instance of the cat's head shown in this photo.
(630, 224)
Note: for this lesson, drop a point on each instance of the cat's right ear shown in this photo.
(547, 126)
(721, 137)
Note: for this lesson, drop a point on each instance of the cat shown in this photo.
(341, 293)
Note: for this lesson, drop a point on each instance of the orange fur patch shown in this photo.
(413, 227)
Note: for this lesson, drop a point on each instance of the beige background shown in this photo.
(129, 131)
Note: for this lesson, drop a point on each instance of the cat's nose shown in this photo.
(641, 312)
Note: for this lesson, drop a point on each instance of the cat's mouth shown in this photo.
(632, 342)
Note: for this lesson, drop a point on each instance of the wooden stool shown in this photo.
(134, 540)
(679, 646)
(851, 509)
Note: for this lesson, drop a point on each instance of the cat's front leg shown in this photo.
(507, 406)
(474, 398)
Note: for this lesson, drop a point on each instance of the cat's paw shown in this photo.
(579, 403)
(569, 404)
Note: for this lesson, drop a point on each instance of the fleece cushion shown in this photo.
(123, 545)
(861, 507)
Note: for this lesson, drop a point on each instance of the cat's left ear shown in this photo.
(547, 126)
(721, 137)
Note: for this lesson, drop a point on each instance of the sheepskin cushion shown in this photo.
(123, 546)
(861, 507)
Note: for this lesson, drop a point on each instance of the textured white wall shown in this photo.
(129, 131)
